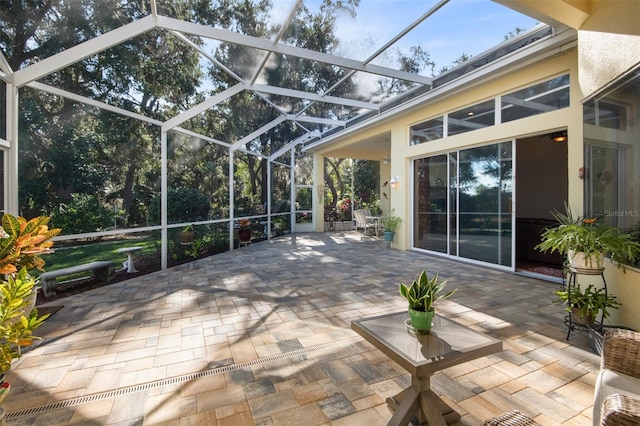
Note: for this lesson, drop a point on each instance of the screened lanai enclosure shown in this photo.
(127, 121)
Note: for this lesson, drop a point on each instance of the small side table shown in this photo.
(130, 266)
(447, 344)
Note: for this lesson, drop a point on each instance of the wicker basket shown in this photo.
(596, 336)
(620, 410)
(512, 418)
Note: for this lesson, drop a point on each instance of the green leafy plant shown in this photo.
(588, 301)
(84, 213)
(585, 235)
(390, 222)
(18, 318)
(279, 225)
(21, 243)
(424, 292)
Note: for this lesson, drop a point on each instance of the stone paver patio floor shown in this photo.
(261, 335)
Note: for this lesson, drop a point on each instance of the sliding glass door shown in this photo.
(463, 203)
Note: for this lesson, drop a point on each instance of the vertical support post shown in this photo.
(269, 199)
(231, 199)
(11, 204)
(163, 199)
(292, 178)
(318, 180)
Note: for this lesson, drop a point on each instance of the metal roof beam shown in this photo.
(262, 44)
(203, 106)
(312, 96)
(317, 120)
(223, 67)
(258, 132)
(83, 50)
(92, 102)
(278, 37)
(4, 65)
(302, 139)
(198, 135)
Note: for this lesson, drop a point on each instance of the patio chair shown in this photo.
(616, 399)
(362, 222)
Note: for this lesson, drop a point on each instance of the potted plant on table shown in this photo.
(21, 244)
(585, 304)
(421, 295)
(585, 242)
(390, 224)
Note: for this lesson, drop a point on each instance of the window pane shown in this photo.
(611, 116)
(472, 118)
(486, 190)
(427, 131)
(612, 156)
(548, 96)
(431, 203)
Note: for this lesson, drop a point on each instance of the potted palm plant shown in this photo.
(421, 295)
(585, 242)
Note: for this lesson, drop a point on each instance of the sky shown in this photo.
(461, 26)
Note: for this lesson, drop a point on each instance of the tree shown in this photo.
(80, 152)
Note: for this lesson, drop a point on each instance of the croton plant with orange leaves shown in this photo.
(22, 241)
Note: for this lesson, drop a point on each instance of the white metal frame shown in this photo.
(28, 76)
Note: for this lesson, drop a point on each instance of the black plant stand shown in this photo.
(568, 319)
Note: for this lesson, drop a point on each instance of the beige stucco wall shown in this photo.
(609, 46)
(609, 42)
(624, 283)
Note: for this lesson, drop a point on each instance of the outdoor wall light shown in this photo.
(386, 159)
(394, 181)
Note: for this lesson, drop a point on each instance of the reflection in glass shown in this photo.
(427, 131)
(543, 97)
(430, 231)
(453, 203)
(463, 203)
(472, 118)
(611, 156)
(486, 190)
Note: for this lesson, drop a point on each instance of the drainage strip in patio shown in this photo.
(159, 383)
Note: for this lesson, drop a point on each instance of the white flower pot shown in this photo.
(579, 261)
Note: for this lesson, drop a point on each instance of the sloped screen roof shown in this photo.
(254, 75)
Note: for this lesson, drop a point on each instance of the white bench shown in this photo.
(100, 270)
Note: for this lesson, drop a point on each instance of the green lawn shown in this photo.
(64, 257)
